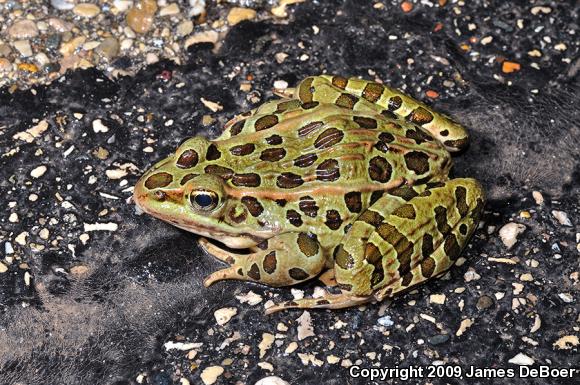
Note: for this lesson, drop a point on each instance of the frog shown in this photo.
(339, 177)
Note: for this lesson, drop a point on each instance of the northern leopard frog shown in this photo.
(342, 174)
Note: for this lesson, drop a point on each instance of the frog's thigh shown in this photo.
(356, 94)
(417, 241)
(356, 291)
(286, 260)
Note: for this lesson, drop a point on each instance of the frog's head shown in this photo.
(191, 192)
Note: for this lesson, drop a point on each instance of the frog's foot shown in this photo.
(219, 253)
(286, 259)
(286, 93)
(327, 301)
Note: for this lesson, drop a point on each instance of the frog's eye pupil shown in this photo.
(203, 200)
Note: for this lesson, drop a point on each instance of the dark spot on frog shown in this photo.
(187, 159)
(246, 180)
(417, 161)
(297, 274)
(269, 263)
(289, 180)
(380, 169)
(272, 154)
(253, 206)
(308, 206)
(353, 201)
(161, 179)
(254, 272)
(274, 140)
(243, 149)
(305, 160)
(212, 152)
(372, 92)
(328, 171)
(266, 122)
(294, 218)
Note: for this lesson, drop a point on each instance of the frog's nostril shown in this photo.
(160, 195)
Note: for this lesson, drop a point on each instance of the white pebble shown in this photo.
(63, 5)
(271, 380)
(98, 126)
(509, 233)
(538, 197)
(305, 328)
(281, 84)
(521, 359)
(566, 297)
(224, 315)
(385, 321)
(23, 46)
(38, 171)
(562, 217)
(210, 374)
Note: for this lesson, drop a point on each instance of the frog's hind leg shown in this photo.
(419, 240)
(358, 94)
(285, 260)
(327, 301)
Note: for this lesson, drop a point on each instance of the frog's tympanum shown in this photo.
(342, 174)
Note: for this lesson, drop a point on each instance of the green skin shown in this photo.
(345, 175)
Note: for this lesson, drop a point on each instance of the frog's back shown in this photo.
(327, 149)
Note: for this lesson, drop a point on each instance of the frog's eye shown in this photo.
(203, 200)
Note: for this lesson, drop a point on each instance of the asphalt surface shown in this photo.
(93, 292)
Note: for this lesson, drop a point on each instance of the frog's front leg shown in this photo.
(285, 259)
(385, 253)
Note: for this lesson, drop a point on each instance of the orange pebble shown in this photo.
(406, 6)
(28, 67)
(510, 66)
(432, 94)
(442, 3)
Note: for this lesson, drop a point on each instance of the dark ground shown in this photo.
(101, 312)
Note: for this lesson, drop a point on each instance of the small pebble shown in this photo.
(509, 67)
(224, 315)
(140, 17)
(23, 29)
(566, 297)
(184, 28)
(281, 84)
(108, 49)
(509, 233)
(484, 302)
(63, 5)
(562, 218)
(210, 374)
(169, 10)
(38, 171)
(23, 46)
(305, 328)
(5, 65)
(98, 126)
(538, 197)
(438, 339)
(237, 15)
(87, 10)
(385, 321)
(521, 359)
(272, 380)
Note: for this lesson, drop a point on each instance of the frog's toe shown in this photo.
(220, 275)
(286, 93)
(328, 301)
